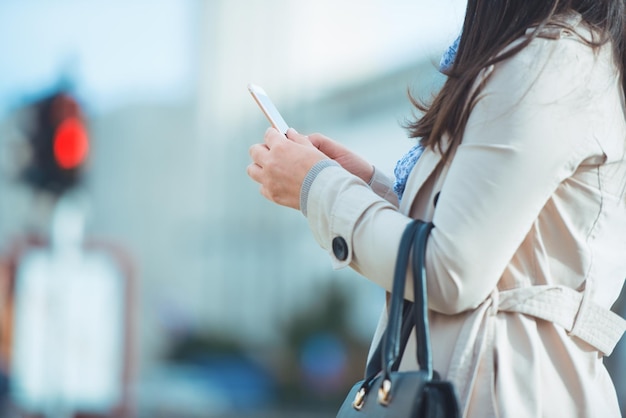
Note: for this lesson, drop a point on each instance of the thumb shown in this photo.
(296, 137)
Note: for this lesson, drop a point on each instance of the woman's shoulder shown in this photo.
(565, 45)
(559, 61)
(563, 78)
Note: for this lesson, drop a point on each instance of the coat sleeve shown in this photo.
(527, 133)
(532, 127)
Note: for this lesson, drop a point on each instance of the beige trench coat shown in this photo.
(529, 247)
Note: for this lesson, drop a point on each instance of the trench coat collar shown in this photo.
(426, 165)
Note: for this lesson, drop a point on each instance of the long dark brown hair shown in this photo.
(491, 25)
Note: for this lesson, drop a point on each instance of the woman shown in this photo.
(524, 176)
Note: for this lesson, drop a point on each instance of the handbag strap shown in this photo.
(374, 365)
(404, 315)
(422, 326)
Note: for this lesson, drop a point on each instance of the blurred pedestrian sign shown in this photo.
(68, 333)
(71, 328)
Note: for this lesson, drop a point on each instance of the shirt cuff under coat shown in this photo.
(382, 185)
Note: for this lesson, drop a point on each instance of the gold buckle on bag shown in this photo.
(384, 393)
(359, 400)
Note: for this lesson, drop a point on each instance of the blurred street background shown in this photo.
(142, 274)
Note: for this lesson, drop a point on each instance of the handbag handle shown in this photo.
(422, 326)
(403, 315)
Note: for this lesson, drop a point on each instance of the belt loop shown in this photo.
(582, 312)
(596, 325)
(495, 302)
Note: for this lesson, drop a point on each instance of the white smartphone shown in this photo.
(271, 113)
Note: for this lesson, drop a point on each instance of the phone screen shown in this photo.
(268, 108)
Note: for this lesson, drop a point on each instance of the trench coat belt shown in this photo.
(566, 307)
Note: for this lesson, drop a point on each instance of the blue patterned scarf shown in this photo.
(408, 161)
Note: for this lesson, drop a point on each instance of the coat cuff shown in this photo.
(309, 179)
(336, 203)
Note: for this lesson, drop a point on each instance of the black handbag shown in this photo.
(386, 392)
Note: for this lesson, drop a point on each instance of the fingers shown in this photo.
(329, 147)
(254, 172)
(296, 137)
(326, 145)
(258, 153)
(272, 137)
(316, 141)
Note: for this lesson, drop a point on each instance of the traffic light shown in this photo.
(59, 144)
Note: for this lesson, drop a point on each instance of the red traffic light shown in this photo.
(59, 142)
(71, 144)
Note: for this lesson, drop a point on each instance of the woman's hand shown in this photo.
(280, 165)
(346, 158)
